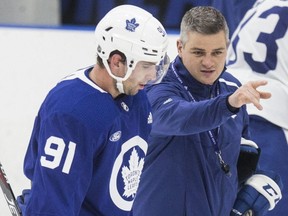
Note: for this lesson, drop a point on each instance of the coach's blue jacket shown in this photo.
(182, 174)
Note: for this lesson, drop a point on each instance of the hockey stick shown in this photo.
(8, 193)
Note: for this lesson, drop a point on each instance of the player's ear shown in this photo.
(115, 60)
(117, 63)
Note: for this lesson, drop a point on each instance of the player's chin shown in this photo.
(133, 91)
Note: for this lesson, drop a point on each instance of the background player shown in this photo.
(258, 50)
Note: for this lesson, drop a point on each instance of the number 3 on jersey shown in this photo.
(54, 150)
(268, 40)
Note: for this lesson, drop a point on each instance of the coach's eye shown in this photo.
(198, 53)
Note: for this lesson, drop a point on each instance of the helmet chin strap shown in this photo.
(119, 85)
(119, 81)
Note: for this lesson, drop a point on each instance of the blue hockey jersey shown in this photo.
(182, 174)
(87, 150)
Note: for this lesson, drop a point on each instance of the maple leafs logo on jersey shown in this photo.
(131, 25)
(131, 175)
(126, 172)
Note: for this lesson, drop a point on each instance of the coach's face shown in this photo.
(204, 55)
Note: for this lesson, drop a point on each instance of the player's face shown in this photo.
(141, 75)
(204, 55)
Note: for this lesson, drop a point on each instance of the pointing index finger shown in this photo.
(257, 83)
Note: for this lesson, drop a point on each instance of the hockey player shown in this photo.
(199, 118)
(259, 50)
(89, 140)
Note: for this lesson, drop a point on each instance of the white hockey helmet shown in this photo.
(137, 34)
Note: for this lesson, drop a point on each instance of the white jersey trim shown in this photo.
(80, 74)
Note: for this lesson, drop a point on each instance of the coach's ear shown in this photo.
(180, 47)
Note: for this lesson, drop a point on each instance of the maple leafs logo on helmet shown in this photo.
(131, 25)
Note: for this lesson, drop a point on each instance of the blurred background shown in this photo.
(88, 12)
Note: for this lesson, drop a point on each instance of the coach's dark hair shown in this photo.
(204, 20)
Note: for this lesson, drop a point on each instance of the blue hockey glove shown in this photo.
(23, 199)
(247, 160)
(260, 193)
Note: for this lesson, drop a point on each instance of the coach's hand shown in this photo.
(248, 93)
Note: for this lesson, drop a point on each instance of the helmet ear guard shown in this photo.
(135, 33)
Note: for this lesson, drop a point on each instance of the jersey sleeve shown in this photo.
(59, 163)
